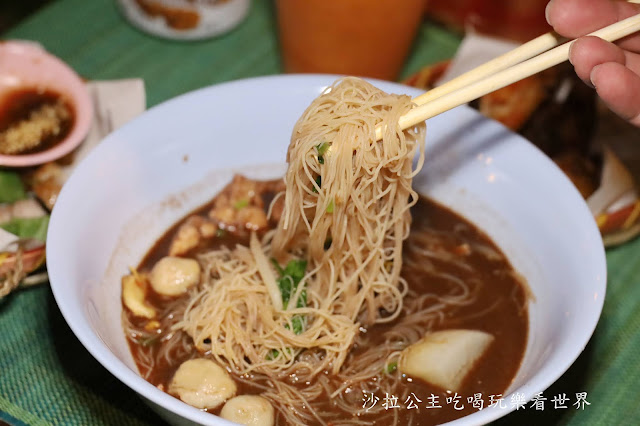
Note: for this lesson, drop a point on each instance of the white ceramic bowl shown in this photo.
(175, 157)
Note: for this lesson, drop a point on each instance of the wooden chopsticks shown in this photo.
(513, 66)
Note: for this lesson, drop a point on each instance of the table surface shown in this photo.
(46, 375)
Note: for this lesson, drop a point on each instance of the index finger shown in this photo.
(575, 18)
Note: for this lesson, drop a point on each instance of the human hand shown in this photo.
(613, 69)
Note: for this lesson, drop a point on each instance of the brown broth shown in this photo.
(18, 105)
(500, 308)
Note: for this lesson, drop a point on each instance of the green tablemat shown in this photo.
(47, 377)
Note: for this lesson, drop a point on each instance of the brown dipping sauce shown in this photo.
(27, 109)
(500, 308)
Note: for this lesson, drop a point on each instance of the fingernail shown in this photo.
(547, 13)
(593, 75)
(570, 51)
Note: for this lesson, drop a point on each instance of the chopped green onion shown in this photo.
(327, 243)
(391, 367)
(322, 149)
(241, 204)
(274, 353)
(220, 233)
(288, 282)
(147, 341)
(330, 207)
(319, 183)
(297, 322)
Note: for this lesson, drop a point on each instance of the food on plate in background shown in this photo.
(33, 120)
(350, 37)
(563, 117)
(304, 296)
(23, 230)
(185, 19)
(552, 109)
(556, 112)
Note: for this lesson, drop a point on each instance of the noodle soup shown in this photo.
(457, 278)
(317, 299)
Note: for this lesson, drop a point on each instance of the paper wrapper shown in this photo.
(614, 201)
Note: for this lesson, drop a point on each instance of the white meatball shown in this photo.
(444, 358)
(202, 383)
(172, 276)
(249, 410)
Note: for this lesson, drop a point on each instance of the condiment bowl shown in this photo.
(26, 65)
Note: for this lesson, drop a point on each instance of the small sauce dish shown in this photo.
(25, 68)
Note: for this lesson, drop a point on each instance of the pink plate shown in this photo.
(27, 65)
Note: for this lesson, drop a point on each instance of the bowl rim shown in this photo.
(77, 94)
(99, 350)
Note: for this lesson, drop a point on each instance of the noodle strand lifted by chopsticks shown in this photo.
(355, 220)
(346, 214)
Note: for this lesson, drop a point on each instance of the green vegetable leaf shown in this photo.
(11, 187)
(33, 227)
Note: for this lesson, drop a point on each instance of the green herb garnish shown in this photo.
(220, 233)
(273, 354)
(391, 367)
(319, 183)
(241, 204)
(330, 207)
(288, 283)
(289, 279)
(322, 149)
(146, 341)
(297, 322)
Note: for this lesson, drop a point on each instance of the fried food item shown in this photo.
(46, 182)
(514, 104)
